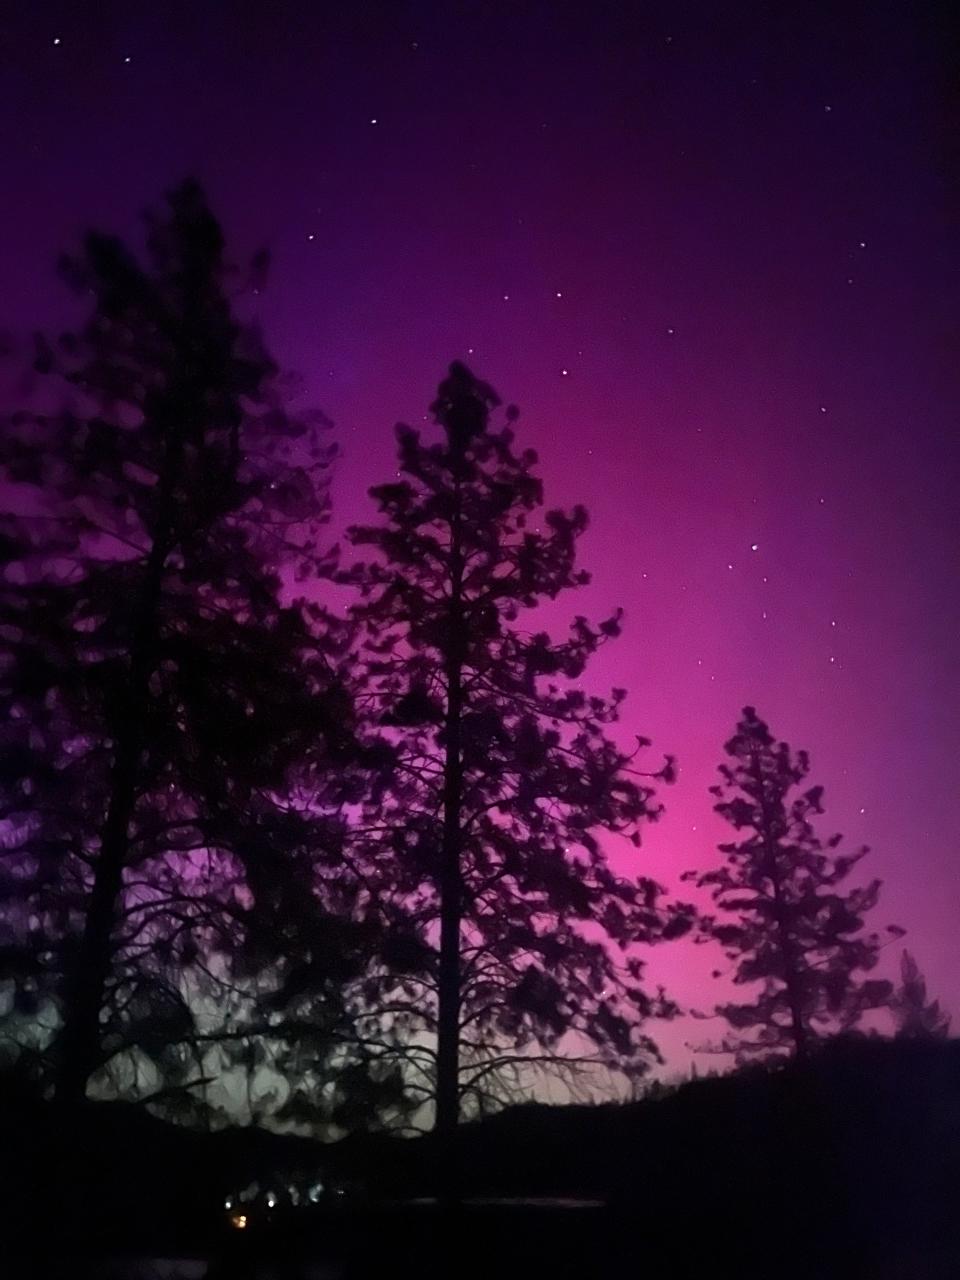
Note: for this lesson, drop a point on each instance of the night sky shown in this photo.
(711, 252)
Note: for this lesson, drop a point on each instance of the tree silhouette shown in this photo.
(787, 924)
(486, 837)
(915, 1016)
(162, 709)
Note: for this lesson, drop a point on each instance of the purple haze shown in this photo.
(710, 251)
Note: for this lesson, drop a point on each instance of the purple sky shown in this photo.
(710, 250)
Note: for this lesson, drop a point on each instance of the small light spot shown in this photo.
(823, 408)
(849, 279)
(374, 120)
(754, 546)
(863, 811)
(862, 244)
(564, 372)
(559, 294)
(127, 58)
(414, 44)
(833, 622)
(506, 297)
(832, 659)
(827, 109)
(310, 235)
(56, 39)
(729, 566)
(469, 351)
(671, 332)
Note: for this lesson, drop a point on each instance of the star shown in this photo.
(754, 546)
(56, 39)
(374, 120)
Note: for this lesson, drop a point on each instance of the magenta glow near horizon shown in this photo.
(711, 254)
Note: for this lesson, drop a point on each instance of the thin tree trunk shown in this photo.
(79, 1047)
(798, 1028)
(451, 874)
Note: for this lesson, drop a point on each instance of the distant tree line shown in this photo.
(348, 863)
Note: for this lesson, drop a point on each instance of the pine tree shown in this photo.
(917, 1018)
(487, 837)
(787, 924)
(162, 708)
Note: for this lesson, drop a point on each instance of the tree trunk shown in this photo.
(451, 874)
(79, 1046)
(798, 1028)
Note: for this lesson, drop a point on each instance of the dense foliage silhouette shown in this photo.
(916, 1016)
(787, 924)
(165, 710)
(488, 835)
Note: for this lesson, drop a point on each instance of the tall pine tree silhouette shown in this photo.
(787, 923)
(158, 698)
(487, 836)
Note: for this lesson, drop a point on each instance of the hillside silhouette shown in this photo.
(844, 1166)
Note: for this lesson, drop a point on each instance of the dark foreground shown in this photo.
(849, 1168)
(525, 1241)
